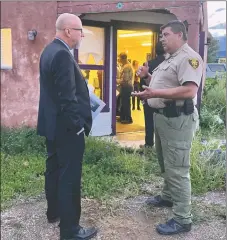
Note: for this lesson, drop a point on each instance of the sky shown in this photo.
(216, 18)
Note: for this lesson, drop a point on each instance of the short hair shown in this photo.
(123, 56)
(159, 49)
(176, 27)
(134, 62)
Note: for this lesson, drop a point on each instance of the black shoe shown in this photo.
(172, 227)
(133, 109)
(138, 109)
(126, 121)
(82, 234)
(157, 201)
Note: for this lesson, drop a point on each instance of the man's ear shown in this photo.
(181, 35)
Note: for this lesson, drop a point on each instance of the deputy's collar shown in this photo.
(185, 45)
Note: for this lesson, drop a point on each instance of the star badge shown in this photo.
(194, 63)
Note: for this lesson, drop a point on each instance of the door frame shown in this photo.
(124, 25)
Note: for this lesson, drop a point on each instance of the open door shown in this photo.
(139, 46)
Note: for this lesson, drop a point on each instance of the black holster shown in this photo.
(188, 107)
(171, 110)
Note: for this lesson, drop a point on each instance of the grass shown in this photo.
(21, 175)
(108, 170)
(207, 171)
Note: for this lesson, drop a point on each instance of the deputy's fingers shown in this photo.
(145, 87)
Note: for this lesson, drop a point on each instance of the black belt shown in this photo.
(167, 113)
(162, 110)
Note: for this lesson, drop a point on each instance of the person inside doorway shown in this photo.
(126, 88)
(118, 97)
(148, 111)
(136, 85)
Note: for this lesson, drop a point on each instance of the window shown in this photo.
(94, 79)
(92, 62)
(6, 48)
(92, 47)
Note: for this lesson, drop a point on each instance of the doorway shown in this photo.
(138, 45)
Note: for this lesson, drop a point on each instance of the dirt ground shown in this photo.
(127, 219)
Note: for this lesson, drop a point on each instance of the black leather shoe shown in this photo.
(82, 234)
(172, 227)
(157, 201)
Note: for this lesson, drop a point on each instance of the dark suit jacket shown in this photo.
(64, 103)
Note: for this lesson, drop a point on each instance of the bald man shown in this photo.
(64, 118)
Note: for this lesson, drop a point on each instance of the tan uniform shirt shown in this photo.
(185, 65)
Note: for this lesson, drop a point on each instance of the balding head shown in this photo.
(67, 20)
(69, 29)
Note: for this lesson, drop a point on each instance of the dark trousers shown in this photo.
(125, 112)
(149, 125)
(63, 180)
(136, 87)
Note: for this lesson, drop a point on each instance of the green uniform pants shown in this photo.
(173, 139)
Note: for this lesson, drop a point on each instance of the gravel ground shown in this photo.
(122, 220)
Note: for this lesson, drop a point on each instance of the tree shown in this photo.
(213, 48)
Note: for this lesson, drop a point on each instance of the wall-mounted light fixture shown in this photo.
(32, 34)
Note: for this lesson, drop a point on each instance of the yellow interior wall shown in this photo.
(6, 48)
(133, 45)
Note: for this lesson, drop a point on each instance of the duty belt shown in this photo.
(162, 110)
(168, 113)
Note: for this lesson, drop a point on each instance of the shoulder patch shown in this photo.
(194, 62)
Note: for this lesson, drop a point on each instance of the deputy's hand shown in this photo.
(143, 71)
(146, 94)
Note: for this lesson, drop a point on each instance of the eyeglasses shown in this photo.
(78, 29)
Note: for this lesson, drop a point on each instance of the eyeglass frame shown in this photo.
(78, 29)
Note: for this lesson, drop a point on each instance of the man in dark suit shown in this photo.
(64, 117)
(148, 112)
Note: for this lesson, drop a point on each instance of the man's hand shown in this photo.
(143, 71)
(146, 94)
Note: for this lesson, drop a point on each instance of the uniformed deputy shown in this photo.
(172, 93)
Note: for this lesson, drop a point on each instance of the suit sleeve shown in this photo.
(65, 87)
(64, 77)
